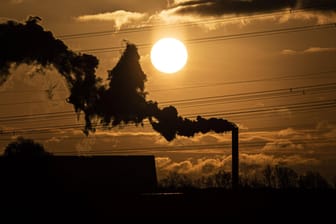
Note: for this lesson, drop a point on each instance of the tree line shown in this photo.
(271, 177)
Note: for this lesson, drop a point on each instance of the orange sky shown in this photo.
(279, 88)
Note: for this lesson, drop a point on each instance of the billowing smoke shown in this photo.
(170, 124)
(123, 101)
(223, 7)
(28, 43)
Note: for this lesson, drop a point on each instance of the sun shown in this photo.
(169, 55)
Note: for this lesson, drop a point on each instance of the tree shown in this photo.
(313, 180)
(280, 177)
(286, 177)
(25, 148)
(222, 179)
(269, 177)
(176, 180)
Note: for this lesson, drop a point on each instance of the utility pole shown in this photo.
(235, 158)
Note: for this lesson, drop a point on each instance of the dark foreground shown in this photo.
(238, 207)
(120, 188)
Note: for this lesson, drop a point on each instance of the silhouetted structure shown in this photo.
(80, 174)
(235, 158)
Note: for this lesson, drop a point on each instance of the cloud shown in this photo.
(170, 16)
(177, 2)
(287, 132)
(325, 127)
(214, 7)
(213, 14)
(119, 17)
(192, 167)
(330, 134)
(319, 49)
(288, 52)
(162, 162)
(126, 133)
(311, 50)
(199, 139)
(283, 145)
(249, 164)
(319, 17)
(84, 146)
(16, 1)
(290, 141)
(54, 139)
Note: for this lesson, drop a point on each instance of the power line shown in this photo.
(281, 77)
(257, 111)
(289, 77)
(269, 128)
(201, 100)
(307, 106)
(235, 101)
(193, 147)
(32, 102)
(258, 93)
(226, 37)
(245, 131)
(180, 148)
(37, 116)
(263, 33)
(145, 27)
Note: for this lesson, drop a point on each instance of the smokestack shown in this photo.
(235, 158)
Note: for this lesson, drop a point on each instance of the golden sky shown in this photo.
(269, 68)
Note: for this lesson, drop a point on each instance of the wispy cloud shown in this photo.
(318, 17)
(280, 145)
(85, 145)
(119, 17)
(214, 7)
(16, 1)
(311, 50)
(212, 14)
(319, 49)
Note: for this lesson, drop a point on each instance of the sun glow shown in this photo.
(169, 55)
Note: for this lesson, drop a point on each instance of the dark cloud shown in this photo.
(123, 101)
(222, 7)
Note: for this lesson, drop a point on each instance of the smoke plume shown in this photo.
(28, 43)
(123, 101)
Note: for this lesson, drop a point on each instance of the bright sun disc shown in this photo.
(169, 55)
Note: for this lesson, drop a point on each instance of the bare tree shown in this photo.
(313, 180)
